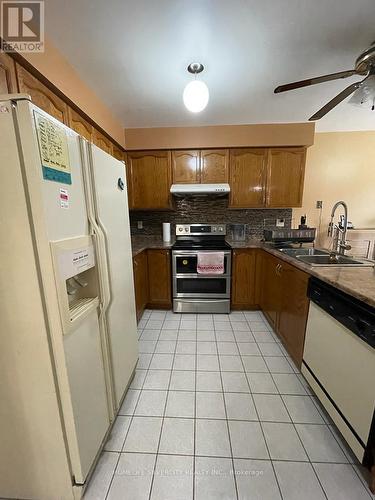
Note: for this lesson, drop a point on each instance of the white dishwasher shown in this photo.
(339, 363)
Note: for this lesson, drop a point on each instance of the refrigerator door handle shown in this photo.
(101, 231)
(103, 282)
(96, 229)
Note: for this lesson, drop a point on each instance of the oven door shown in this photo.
(187, 283)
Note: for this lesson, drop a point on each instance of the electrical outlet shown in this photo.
(319, 204)
(140, 224)
(280, 223)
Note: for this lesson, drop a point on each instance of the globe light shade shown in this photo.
(196, 96)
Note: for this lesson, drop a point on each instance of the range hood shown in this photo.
(199, 189)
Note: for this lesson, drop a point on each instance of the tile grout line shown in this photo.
(195, 404)
(299, 438)
(163, 417)
(260, 424)
(304, 449)
(226, 413)
(291, 363)
(171, 370)
(132, 416)
(126, 435)
(225, 457)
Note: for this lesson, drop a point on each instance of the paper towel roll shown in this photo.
(166, 231)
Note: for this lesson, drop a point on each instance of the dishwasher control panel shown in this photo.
(357, 316)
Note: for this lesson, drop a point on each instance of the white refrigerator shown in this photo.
(68, 336)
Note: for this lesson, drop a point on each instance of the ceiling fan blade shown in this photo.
(314, 81)
(336, 100)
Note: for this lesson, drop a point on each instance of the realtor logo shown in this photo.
(22, 26)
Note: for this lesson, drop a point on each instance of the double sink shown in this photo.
(324, 258)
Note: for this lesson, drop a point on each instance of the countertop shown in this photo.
(140, 243)
(358, 282)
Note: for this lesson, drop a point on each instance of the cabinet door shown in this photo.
(243, 279)
(159, 278)
(285, 177)
(214, 166)
(102, 141)
(42, 96)
(118, 153)
(247, 172)
(128, 181)
(270, 288)
(8, 80)
(140, 282)
(293, 310)
(80, 125)
(150, 177)
(185, 167)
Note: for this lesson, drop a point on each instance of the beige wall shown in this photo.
(221, 136)
(340, 166)
(53, 65)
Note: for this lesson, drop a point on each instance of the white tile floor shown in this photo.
(217, 410)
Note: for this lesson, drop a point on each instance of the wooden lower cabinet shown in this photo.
(285, 303)
(244, 278)
(159, 279)
(270, 294)
(140, 282)
(294, 308)
(152, 280)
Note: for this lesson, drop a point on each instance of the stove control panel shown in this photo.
(201, 229)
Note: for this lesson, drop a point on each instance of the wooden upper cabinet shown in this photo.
(80, 125)
(150, 178)
(247, 174)
(186, 167)
(214, 166)
(285, 177)
(41, 95)
(102, 141)
(8, 80)
(118, 153)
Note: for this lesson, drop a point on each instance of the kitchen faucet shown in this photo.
(340, 244)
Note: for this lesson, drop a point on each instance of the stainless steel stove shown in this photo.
(194, 292)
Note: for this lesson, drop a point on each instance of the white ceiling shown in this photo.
(134, 54)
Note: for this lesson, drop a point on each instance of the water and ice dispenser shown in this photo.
(76, 276)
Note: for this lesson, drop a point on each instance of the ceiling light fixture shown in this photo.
(196, 93)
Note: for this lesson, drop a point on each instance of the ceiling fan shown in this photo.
(363, 90)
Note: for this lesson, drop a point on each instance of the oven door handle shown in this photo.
(193, 253)
(198, 275)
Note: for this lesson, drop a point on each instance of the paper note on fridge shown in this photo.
(53, 146)
(73, 262)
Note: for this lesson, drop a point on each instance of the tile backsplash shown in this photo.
(208, 209)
